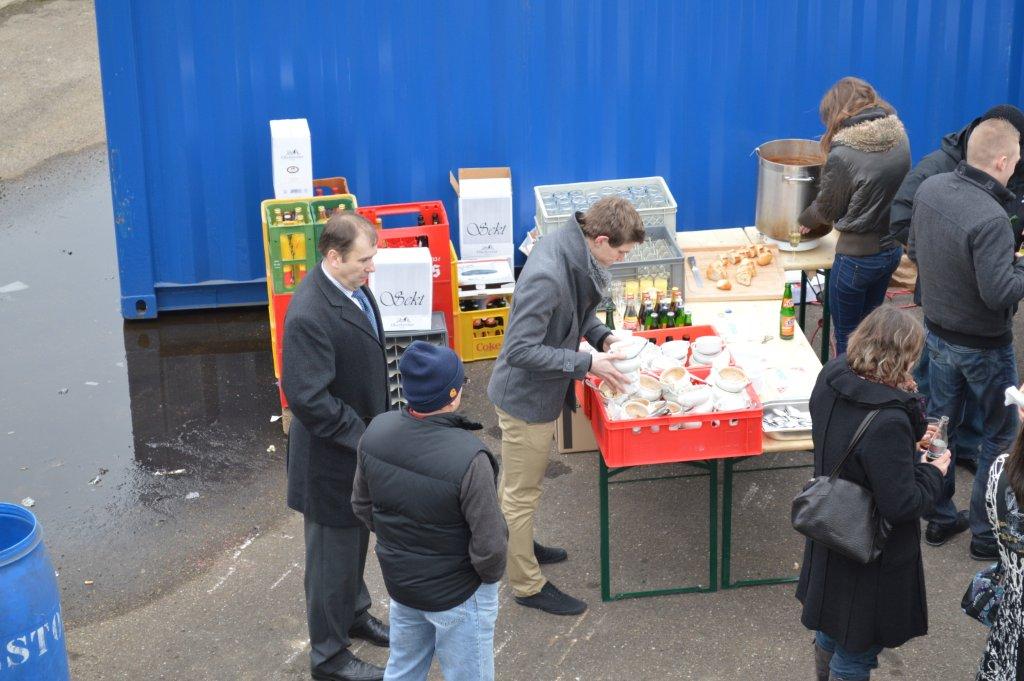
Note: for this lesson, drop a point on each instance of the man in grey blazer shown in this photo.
(554, 305)
(334, 374)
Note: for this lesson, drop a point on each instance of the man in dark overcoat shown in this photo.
(334, 375)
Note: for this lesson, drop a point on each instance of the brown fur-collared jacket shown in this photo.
(869, 157)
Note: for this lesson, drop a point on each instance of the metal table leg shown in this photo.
(826, 320)
(727, 582)
(604, 480)
(803, 300)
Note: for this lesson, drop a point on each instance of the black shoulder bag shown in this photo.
(840, 514)
(984, 594)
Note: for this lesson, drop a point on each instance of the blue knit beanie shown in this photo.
(431, 376)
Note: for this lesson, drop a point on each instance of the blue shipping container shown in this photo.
(399, 93)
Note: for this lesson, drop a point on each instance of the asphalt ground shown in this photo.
(211, 587)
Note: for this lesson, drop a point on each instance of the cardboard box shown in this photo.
(292, 157)
(485, 212)
(402, 283)
(573, 432)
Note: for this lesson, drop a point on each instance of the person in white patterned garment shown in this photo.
(1003, 659)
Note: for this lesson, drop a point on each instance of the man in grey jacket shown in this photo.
(554, 305)
(971, 282)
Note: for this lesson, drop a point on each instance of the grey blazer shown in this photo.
(553, 305)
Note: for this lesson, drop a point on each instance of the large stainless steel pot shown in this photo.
(787, 182)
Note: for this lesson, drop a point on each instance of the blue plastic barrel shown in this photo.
(31, 626)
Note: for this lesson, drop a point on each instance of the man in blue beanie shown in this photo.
(427, 488)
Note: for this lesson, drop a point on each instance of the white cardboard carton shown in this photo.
(403, 286)
(291, 153)
(485, 212)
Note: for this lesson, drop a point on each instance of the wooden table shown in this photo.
(818, 259)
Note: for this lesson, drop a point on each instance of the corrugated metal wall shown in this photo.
(398, 93)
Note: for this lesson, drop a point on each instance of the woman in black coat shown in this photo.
(857, 609)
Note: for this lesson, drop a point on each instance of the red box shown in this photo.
(278, 309)
(437, 236)
(660, 336)
(671, 439)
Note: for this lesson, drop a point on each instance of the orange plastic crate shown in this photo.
(671, 439)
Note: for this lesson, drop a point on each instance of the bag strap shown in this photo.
(854, 442)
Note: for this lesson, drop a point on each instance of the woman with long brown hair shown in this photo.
(868, 156)
(1004, 653)
(857, 609)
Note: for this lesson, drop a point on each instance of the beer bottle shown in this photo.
(665, 317)
(609, 317)
(278, 218)
(787, 315)
(652, 322)
(629, 316)
(679, 312)
(321, 213)
(420, 221)
(434, 220)
(300, 215)
(644, 310)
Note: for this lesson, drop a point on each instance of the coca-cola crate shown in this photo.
(671, 439)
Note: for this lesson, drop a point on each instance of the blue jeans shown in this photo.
(857, 286)
(967, 443)
(954, 371)
(848, 666)
(463, 638)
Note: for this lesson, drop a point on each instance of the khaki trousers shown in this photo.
(524, 460)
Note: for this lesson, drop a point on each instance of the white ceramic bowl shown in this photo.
(632, 379)
(671, 378)
(709, 346)
(676, 349)
(610, 396)
(732, 379)
(704, 408)
(731, 402)
(635, 409)
(649, 388)
(662, 363)
(627, 366)
(630, 347)
(694, 396)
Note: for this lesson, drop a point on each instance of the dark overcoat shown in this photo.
(882, 602)
(335, 377)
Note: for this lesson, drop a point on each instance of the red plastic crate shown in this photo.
(278, 309)
(437, 235)
(696, 437)
(660, 336)
(330, 185)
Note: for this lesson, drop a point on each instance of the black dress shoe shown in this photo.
(352, 669)
(984, 551)
(937, 535)
(373, 631)
(547, 555)
(551, 600)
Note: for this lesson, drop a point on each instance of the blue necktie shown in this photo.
(367, 308)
